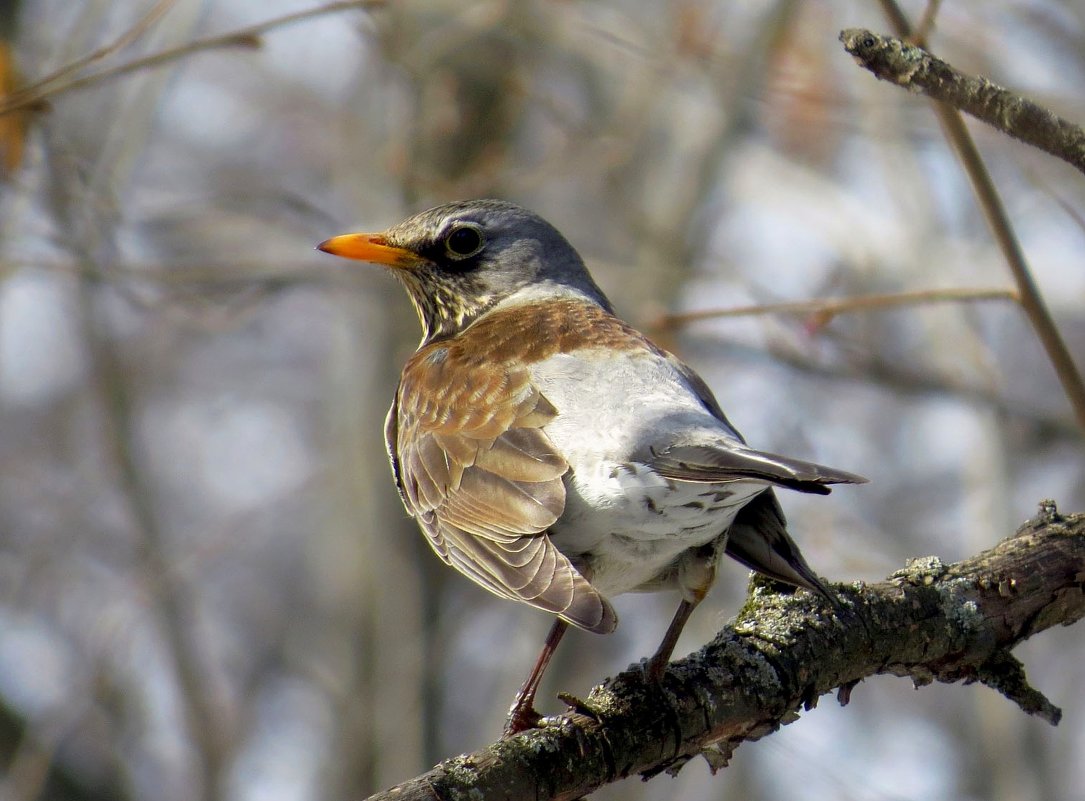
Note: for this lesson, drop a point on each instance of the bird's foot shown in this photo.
(522, 714)
(655, 667)
(521, 718)
(657, 664)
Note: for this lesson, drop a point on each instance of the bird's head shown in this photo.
(462, 259)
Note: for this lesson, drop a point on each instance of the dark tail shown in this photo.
(758, 538)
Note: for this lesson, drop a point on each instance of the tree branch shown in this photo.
(824, 309)
(929, 621)
(918, 71)
(59, 82)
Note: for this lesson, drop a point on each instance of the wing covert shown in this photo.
(720, 463)
(485, 482)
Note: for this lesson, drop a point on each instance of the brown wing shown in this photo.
(485, 482)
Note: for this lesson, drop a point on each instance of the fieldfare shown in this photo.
(551, 452)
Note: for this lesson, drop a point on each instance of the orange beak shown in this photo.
(370, 247)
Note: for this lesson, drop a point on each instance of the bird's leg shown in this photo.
(522, 714)
(696, 576)
(658, 663)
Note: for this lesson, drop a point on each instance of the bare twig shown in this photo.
(904, 380)
(926, 23)
(33, 93)
(13, 126)
(86, 242)
(1073, 212)
(995, 214)
(52, 85)
(827, 308)
(1031, 300)
(917, 70)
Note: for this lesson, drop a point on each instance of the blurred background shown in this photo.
(208, 588)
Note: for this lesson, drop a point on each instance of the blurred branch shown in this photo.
(824, 309)
(88, 239)
(58, 82)
(32, 94)
(994, 212)
(870, 368)
(903, 380)
(926, 23)
(204, 723)
(929, 621)
(12, 128)
(32, 772)
(916, 70)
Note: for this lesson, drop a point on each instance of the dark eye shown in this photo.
(464, 240)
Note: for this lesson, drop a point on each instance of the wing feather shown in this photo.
(716, 464)
(485, 482)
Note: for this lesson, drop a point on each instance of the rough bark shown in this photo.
(929, 621)
(918, 71)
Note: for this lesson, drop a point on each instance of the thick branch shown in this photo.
(928, 621)
(918, 71)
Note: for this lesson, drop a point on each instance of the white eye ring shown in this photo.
(464, 240)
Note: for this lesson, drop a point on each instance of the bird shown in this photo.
(554, 454)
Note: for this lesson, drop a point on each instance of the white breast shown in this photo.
(630, 522)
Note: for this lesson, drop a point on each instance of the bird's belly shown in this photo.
(628, 524)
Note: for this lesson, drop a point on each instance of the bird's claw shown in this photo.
(654, 669)
(521, 718)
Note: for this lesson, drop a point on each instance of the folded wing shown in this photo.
(723, 462)
(485, 482)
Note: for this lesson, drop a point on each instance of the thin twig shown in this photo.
(826, 308)
(243, 37)
(1070, 210)
(32, 93)
(926, 23)
(905, 380)
(993, 211)
(86, 241)
(916, 70)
